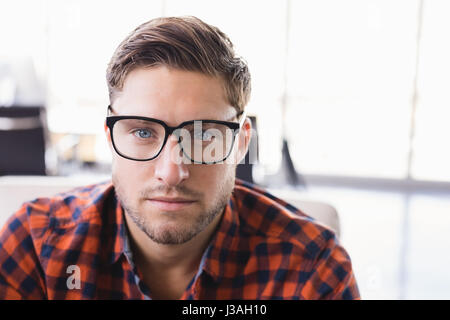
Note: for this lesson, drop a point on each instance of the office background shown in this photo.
(359, 89)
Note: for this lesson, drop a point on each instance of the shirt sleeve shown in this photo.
(332, 276)
(21, 275)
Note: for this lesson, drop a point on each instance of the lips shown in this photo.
(170, 204)
(167, 199)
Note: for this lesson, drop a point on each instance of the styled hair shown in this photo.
(185, 43)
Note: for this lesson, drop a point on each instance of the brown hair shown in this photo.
(185, 43)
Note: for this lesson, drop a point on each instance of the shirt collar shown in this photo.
(223, 244)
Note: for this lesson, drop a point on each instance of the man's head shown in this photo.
(176, 70)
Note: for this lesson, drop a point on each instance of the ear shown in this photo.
(244, 136)
(108, 135)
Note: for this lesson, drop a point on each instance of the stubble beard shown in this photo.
(172, 235)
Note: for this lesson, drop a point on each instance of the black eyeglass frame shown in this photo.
(168, 130)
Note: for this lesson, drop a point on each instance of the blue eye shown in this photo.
(142, 133)
(204, 135)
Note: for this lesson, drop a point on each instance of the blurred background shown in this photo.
(351, 100)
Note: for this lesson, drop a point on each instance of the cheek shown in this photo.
(131, 175)
(212, 179)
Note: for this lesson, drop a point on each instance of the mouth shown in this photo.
(170, 204)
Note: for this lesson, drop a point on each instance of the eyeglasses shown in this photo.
(201, 141)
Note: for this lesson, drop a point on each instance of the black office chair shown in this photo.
(22, 140)
(287, 175)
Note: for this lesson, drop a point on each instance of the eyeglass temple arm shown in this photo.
(244, 116)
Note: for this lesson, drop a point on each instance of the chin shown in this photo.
(170, 234)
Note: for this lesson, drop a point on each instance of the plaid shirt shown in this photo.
(75, 246)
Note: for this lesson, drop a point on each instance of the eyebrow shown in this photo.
(111, 111)
(138, 121)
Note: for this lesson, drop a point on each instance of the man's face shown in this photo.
(172, 201)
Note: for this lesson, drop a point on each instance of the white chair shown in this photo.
(15, 190)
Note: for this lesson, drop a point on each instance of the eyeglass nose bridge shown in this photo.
(176, 131)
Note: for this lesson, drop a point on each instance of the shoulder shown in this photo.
(264, 216)
(26, 231)
(290, 249)
(62, 209)
(23, 238)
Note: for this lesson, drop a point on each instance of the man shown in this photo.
(174, 223)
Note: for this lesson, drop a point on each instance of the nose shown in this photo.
(169, 166)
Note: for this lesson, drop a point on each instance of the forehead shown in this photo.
(173, 95)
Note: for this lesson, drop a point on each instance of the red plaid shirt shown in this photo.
(75, 246)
